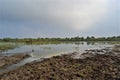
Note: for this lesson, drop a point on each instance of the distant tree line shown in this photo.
(30, 40)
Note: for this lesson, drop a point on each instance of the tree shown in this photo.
(7, 39)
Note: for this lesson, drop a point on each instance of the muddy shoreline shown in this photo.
(6, 47)
(13, 59)
(101, 64)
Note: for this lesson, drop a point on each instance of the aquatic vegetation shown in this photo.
(6, 46)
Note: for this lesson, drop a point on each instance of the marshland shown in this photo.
(59, 39)
(59, 60)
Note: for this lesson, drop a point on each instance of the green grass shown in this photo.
(6, 46)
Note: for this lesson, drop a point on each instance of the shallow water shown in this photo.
(21, 63)
(49, 50)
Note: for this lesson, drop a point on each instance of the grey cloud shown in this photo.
(76, 14)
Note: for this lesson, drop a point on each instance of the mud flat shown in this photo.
(13, 59)
(101, 64)
(116, 48)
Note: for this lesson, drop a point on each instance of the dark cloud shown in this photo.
(50, 18)
(76, 14)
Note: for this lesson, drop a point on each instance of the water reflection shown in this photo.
(90, 43)
(48, 50)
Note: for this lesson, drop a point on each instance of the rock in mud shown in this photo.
(116, 48)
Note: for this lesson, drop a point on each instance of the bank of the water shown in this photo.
(5, 47)
(101, 64)
(18, 64)
(13, 59)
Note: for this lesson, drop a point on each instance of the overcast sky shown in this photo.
(59, 18)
